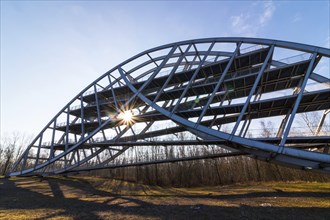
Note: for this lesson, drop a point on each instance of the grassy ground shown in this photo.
(97, 198)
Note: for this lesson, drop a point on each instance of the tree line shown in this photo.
(204, 172)
(218, 171)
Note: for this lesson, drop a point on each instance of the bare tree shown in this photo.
(267, 129)
(311, 120)
(11, 147)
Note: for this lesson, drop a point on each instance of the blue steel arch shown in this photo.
(182, 83)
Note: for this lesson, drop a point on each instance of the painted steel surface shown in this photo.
(205, 92)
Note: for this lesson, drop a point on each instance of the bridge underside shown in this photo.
(219, 97)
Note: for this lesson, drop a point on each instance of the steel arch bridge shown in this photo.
(204, 92)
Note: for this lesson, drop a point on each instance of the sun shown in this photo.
(126, 116)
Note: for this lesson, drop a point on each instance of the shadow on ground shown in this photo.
(78, 199)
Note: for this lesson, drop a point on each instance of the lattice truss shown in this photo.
(210, 95)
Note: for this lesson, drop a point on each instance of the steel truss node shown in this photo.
(209, 94)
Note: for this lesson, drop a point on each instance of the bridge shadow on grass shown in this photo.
(78, 199)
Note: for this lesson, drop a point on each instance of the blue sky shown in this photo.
(51, 50)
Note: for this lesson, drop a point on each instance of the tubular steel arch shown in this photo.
(210, 94)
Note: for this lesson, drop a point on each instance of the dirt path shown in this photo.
(96, 198)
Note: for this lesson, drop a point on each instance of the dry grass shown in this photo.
(100, 198)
